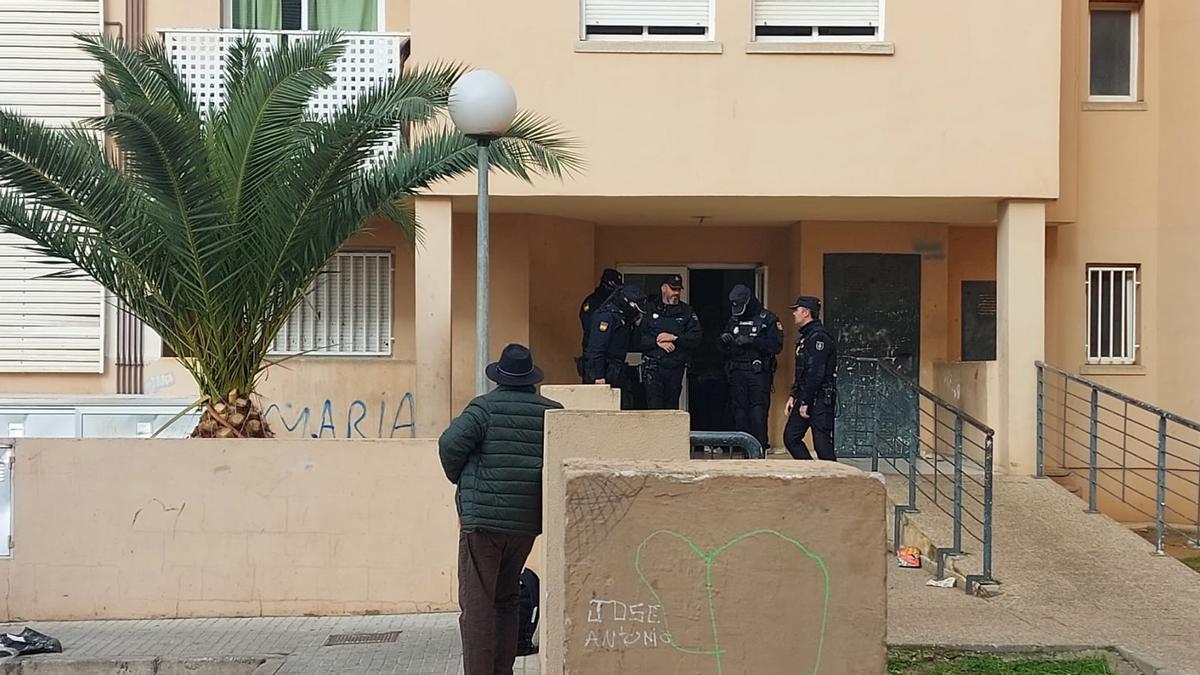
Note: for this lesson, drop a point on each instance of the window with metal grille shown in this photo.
(1112, 314)
(821, 20)
(348, 311)
(647, 19)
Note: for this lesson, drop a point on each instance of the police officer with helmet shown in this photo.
(612, 335)
(814, 391)
(670, 334)
(610, 283)
(752, 339)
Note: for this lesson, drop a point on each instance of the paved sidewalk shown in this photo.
(428, 644)
(1067, 577)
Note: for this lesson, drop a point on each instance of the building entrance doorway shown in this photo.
(706, 288)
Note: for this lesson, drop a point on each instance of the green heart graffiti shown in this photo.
(709, 558)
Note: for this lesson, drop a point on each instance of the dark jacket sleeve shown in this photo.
(770, 340)
(595, 357)
(814, 373)
(691, 337)
(461, 439)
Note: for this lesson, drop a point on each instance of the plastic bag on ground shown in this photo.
(27, 642)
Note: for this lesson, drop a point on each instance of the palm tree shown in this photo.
(212, 226)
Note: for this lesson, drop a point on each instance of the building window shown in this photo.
(1112, 314)
(643, 20)
(818, 20)
(348, 312)
(1114, 49)
(349, 15)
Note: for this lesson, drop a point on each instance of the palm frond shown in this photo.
(216, 225)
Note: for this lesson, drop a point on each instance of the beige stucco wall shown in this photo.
(970, 256)
(946, 115)
(214, 528)
(717, 556)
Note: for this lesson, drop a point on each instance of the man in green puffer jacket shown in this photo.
(493, 453)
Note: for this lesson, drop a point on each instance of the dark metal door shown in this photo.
(873, 308)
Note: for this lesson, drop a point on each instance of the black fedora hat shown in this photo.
(515, 368)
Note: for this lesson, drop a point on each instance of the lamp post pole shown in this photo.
(483, 106)
(482, 271)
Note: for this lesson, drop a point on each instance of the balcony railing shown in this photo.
(370, 59)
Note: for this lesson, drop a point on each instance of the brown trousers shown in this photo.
(489, 571)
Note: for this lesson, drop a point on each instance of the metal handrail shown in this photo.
(736, 439)
(938, 400)
(1124, 398)
(963, 503)
(1074, 424)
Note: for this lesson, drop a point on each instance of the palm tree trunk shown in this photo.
(234, 416)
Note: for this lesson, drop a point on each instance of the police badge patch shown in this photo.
(819, 345)
(603, 326)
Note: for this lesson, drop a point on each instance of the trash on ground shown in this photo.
(948, 582)
(28, 641)
(909, 556)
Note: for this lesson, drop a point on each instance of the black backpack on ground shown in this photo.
(528, 610)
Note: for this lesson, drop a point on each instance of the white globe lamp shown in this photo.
(482, 104)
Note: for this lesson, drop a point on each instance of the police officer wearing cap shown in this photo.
(752, 339)
(814, 391)
(611, 336)
(670, 334)
(610, 283)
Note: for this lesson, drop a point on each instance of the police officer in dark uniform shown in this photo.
(814, 391)
(612, 335)
(610, 283)
(752, 339)
(670, 334)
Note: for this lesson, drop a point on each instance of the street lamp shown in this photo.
(483, 106)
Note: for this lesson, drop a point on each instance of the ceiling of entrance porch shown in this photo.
(729, 211)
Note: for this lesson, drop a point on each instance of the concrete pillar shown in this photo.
(433, 318)
(1020, 330)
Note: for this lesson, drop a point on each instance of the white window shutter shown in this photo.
(677, 13)
(826, 13)
(45, 74)
(348, 311)
(47, 324)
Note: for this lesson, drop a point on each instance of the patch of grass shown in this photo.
(1193, 562)
(940, 663)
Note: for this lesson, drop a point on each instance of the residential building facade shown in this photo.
(970, 186)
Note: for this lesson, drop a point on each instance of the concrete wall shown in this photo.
(591, 434)
(945, 115)
(726, 567)
(114, 529)
(971, 386)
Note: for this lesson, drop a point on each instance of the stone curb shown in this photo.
(217, 665)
